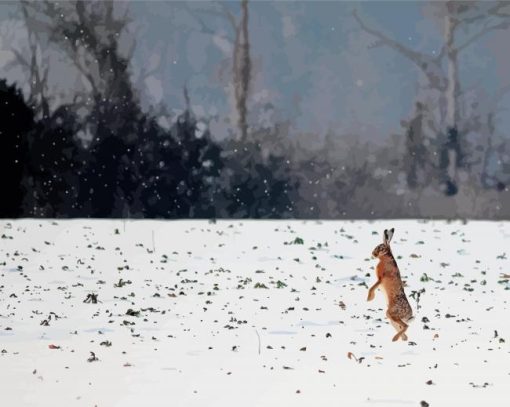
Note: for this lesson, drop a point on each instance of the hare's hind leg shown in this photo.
(398, 328)
(401, 333)
(399, 325)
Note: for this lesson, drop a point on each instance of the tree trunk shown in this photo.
(415, 158)
(242, 71)
(451, 150)
(452, 88)
(485, 178)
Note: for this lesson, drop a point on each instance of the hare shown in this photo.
(399, 311)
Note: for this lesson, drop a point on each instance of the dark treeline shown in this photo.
(135, 168)
(132, 167)
(102, 155)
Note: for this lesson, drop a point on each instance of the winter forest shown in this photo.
(254, 109)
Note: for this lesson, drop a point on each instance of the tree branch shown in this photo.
(503, 25)
(407, 52)
(225, 14)
(496, 10)
(20, 58)
(229, 16)
(430, 66)
(204, 28)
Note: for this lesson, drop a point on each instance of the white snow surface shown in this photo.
(206, 336)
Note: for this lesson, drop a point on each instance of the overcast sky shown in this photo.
(312, 63)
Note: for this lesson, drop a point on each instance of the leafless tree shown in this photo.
(34, 64)
(415, 161)
(241, 56)
(89, 33)
(482, 118)
(463, 24)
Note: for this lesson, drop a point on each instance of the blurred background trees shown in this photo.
(97, 150)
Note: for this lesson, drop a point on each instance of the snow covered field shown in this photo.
(250, 313)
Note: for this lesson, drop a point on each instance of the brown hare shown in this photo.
(399, 311)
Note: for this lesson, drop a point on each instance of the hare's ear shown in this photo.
(385, 236)
(389, 235)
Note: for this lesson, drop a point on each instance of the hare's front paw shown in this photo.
(371, 296)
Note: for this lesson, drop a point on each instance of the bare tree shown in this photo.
(477, 19)
(415, 160)
(241, 57)
(89, 33)
(242, 68)
(35, 66)
(483, 119)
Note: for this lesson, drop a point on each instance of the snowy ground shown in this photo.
(239, 313)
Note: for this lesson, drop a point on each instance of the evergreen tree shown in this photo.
(52, 177)
(255, 186)
(181, 171)
(17, 121)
